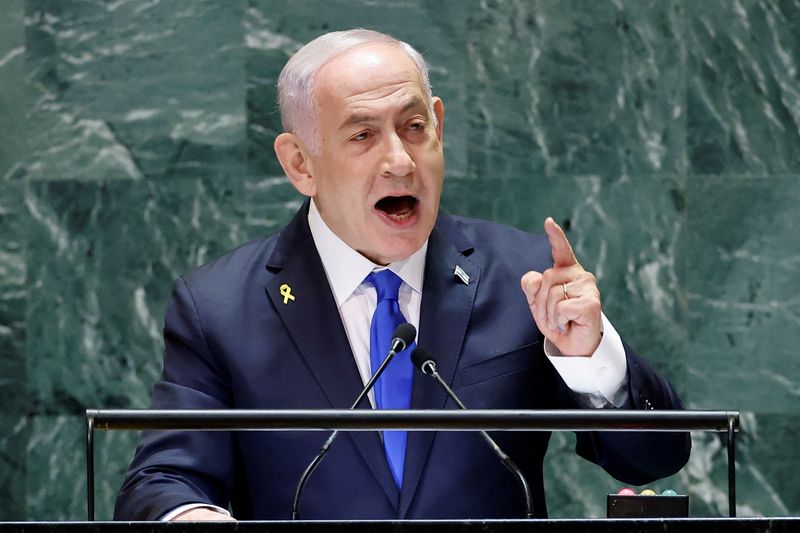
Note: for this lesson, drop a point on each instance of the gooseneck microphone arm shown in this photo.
(425, 363)
(403, 336)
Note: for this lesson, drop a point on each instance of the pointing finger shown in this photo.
(563, 255)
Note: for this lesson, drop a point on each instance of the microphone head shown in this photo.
(405, 333)
(423, 360)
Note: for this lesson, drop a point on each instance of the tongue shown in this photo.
(397, 206)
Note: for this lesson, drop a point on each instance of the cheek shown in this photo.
(338, 184)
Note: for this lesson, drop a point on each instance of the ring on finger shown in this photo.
(566, 294)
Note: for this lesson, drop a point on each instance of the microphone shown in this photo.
(425, 363)
(402, 337)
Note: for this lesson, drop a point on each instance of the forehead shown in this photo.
(367, 75)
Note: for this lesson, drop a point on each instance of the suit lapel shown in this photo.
(314, 323)
(446, 308)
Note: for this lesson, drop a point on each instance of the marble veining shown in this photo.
(136, 143)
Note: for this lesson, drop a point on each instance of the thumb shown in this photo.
(531, 282)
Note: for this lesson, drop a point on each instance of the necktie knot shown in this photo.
(386, 283)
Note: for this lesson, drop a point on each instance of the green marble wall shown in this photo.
(135, 143)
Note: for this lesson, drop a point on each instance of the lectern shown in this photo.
(412, 420)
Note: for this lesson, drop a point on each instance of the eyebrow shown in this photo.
(361, 118)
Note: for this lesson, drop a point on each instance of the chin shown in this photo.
(397, 251)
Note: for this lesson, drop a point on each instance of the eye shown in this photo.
(361, 136)
(417, 125)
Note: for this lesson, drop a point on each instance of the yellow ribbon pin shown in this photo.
(286, 292)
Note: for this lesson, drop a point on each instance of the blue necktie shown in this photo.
(393, 389)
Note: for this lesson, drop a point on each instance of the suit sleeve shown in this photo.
(173, 468)
(638, 458)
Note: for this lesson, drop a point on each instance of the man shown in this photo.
(286, 323)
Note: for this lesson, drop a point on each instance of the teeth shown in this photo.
(400, 216)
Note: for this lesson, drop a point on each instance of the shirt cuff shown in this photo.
(182, 508)
(601, 378)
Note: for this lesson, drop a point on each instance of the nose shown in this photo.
(397, 161)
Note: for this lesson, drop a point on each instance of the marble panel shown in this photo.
(742, 256)
(56, 459)
(13, 89)
(664, 136)
(743, 87)
(13, 302)
(56, 488)
(102, 258)
(769, 463)
(575, 87)
(765, 466)
(13, 466)
(128, 90)
(271, 202)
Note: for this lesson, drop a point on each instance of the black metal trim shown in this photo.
(427, 420)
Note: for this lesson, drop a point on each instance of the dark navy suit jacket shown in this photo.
(231, 342)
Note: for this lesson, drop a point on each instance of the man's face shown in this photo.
(377, 176)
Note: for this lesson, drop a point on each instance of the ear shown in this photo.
(438, 109)
(296, 163)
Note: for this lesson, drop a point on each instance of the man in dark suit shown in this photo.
(284, 322)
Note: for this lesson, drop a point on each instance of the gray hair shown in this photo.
(296, 99)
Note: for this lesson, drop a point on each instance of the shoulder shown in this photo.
(493, 242)
(251, 261)
(487, 228)
(233, 271)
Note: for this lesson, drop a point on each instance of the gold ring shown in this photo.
(566, 294)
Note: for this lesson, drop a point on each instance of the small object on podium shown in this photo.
(647, 504)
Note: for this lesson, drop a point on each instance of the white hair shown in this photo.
(296, 99)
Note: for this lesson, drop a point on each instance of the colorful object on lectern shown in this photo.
(647, 504)
(669, 492)
(626, 492)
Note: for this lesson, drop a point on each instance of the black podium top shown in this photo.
(689, 525)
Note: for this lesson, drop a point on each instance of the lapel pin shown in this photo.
(460, 274)
(286, 292)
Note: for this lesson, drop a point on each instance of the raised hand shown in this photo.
(564, 300)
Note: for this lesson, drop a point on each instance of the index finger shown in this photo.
(563, 256)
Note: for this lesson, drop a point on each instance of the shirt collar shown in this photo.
(346, 268)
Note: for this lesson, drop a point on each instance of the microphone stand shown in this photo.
(429, 368)
(398, 345)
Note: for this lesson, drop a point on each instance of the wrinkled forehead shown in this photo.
(370, 70)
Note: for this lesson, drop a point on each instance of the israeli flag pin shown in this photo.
(460, 274)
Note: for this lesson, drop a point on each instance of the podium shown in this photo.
(417, 420)
(680, 525)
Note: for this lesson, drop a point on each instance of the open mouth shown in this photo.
(397, 208)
